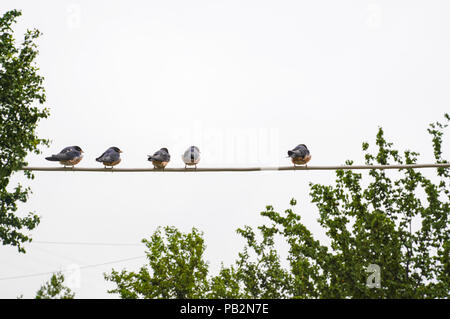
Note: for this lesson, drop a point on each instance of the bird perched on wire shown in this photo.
(69, 156)
(160, 158)
(191, 156)
(299, 155)
(110, 157)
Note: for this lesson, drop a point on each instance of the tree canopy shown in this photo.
(21, 92)
(176, 268)
(55, 288)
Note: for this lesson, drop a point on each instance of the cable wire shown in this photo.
(81, 267)
(235, 169)
(83, 243)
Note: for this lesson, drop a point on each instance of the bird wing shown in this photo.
(101, 157)
(64, 156)
(67, 149)
(108, 157)
(299, 151)
(187, 156)
(160, 156)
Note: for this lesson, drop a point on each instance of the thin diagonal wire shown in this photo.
(81, 267)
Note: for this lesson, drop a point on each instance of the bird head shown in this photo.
(116, 149)
(78, 149)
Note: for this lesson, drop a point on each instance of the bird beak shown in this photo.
(120, 151)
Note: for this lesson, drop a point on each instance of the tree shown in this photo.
(176, 268)
(20, 89)
(55, 289)
(395, 229)
(250, 278)
(400, 225)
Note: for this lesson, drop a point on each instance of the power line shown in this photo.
(112, 262)
(235, 169)
(83, 243)
(57, 255)
(81, 267)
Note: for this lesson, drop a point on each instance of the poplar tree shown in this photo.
(21, 97)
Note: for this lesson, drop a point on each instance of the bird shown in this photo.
(160, 158)
(69, 156)
(110, 157)
(191, 156)
(299, 155)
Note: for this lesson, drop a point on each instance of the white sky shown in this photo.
(243, 80)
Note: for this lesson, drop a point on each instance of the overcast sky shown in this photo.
(244, 81)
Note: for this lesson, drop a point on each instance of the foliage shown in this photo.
(262, 278)
(55, 289)
(398, 221)
(20, 88)
(366, 225)
(176, 268)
